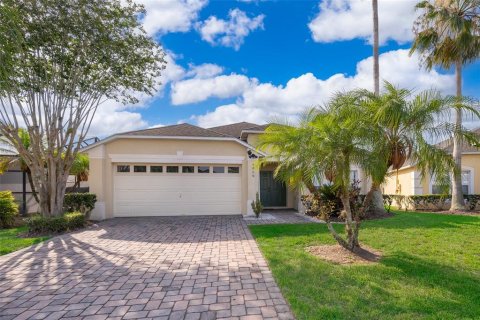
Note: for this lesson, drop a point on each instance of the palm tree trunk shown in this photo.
(458, 202)
(374, 201)
(350, 228)
(376, 67)
(374, 198)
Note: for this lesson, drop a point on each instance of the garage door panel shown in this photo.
(153, 194)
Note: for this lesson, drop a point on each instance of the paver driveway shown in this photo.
(160, 268)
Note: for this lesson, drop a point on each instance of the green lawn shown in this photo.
(430, 269)
(9, 241)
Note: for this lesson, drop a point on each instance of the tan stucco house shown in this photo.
(411, 183)
(183, 170)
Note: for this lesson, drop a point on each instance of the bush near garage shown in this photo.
(80, 202)
(47, 225)
(8, 209)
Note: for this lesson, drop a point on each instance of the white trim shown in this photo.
(179, 158)
(115, 137)
(472, 179)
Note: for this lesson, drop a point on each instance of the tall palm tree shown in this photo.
(448, 34)
(376, 67)
(326, 138)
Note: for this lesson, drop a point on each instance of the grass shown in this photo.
(9, 240)
(430, 269)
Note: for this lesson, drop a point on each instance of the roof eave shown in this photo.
(120, 136)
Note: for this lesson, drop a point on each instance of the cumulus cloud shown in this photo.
(198, 89)
(170, 15)
(112, 118)
(263, 101)
(340, 20)
(206, 70)
(230, 32)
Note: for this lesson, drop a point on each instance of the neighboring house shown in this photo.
(183, 170)
(410, 182)
(16, 180)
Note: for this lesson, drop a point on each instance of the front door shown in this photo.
(273, 193)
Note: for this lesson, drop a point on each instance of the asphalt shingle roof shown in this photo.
(234, 129)
(177, 130)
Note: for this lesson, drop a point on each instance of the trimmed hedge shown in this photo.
(433, 201)
(80, 202)
(68, 222)
(8, 209)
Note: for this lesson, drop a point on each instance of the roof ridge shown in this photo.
(232, 124)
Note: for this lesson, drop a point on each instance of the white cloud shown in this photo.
(264, 101)
(111, 118)
(198, 89)
(164, 16)
(340, 20)
(231, 32)
(206, 70)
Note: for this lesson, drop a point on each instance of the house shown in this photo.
(183, 170)
(411, 183)
(15, 179)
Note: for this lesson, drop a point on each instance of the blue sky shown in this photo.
(253, 61)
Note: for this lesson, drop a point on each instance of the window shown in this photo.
(139, 168)
(123, 168)
(203, 169)
(218, 169)
(437, 188)
(156, 168)
(172, 169)
(188, 169)
(233, 170)
(466, 181)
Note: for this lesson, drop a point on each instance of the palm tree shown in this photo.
(80, 169)
(408, 124)
(326, 138)
(448, 34)
(376, 67)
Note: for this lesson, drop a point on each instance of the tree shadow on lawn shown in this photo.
(401, 286)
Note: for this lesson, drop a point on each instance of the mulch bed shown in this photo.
(339, 255)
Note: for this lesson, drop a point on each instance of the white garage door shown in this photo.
(167, 190)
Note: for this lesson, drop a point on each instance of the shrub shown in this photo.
(473, 200)
(69, 221)
(80, 202)
(75, 220)
(387, 202)
(8, 209)
(257, 206)
(432, 201)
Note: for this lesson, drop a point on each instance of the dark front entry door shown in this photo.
(273, 193)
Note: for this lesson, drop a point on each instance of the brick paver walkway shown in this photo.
(278, 217)
(143, 268)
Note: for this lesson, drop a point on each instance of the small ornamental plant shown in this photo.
(257, 206)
